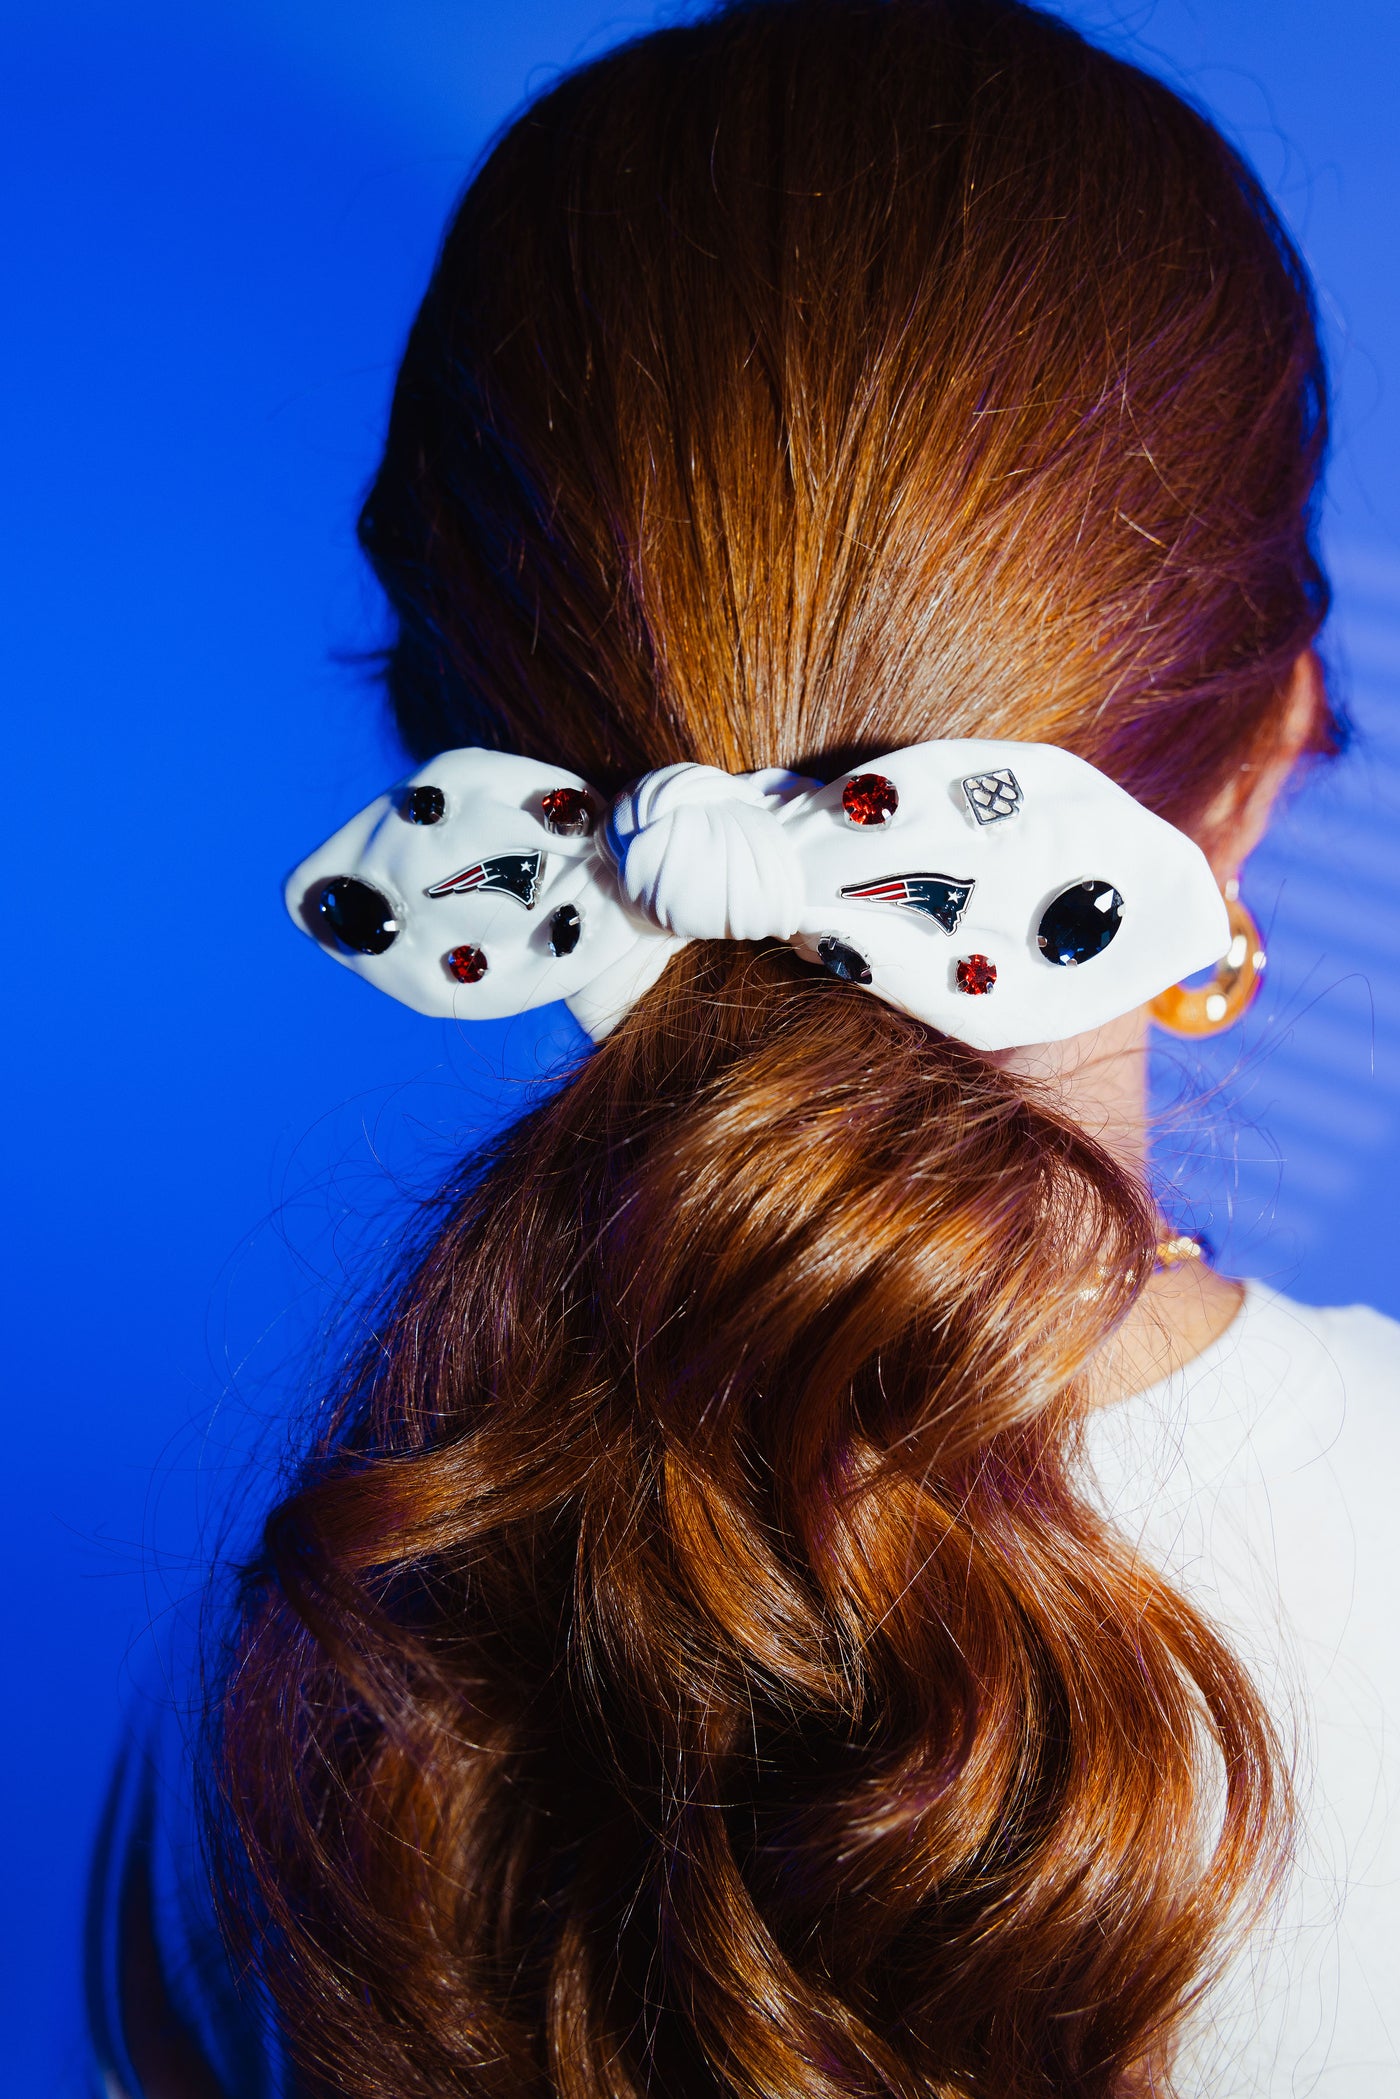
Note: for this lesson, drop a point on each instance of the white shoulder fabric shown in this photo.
(1004, 893)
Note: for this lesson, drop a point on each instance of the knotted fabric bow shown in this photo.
(1005, 893)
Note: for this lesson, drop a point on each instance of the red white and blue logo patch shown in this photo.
(508, 874)
(943, 898)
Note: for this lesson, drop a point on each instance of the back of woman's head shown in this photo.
(687, 1662)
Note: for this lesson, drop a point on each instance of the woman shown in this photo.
(772, 1611)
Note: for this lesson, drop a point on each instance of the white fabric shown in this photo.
(690, 818)
(1265, 1478)
(691, 853)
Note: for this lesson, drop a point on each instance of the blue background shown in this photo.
(217, 221)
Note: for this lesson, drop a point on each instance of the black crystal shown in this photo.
(361, 918)
(425, 805)
(565, 925)
(843, 961)
(1080, 923)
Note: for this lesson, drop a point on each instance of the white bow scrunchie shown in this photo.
(1006, 893)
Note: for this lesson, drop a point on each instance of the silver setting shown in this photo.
(992, 797)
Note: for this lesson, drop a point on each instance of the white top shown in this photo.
(1264, 1478)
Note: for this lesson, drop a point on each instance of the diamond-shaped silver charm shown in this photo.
(992, 797)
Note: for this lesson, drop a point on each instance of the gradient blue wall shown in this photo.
(217, 221)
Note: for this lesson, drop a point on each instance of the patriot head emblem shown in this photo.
(510, 874)
(943, 898)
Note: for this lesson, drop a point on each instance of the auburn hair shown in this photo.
(688, 1661)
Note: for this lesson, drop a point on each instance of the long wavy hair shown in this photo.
(688, 1662)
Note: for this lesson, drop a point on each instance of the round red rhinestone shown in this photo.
(568, 812)
(466, 964)
(976, 974)
(869, 799)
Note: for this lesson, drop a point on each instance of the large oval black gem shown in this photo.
(565, 926)
(843, 961)
(1080, 923)
(425, 805)
(360, 917)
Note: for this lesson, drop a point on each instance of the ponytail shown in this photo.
(691, 1633)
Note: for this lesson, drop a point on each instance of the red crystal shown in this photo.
(976, 974)
(568, 812)
(466, 964)
(870, 798)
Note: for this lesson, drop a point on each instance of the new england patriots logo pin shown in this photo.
(511, 874)
(943, 898)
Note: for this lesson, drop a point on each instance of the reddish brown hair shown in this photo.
(686, 1663)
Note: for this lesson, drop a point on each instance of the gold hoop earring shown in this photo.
(1218, 1004)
